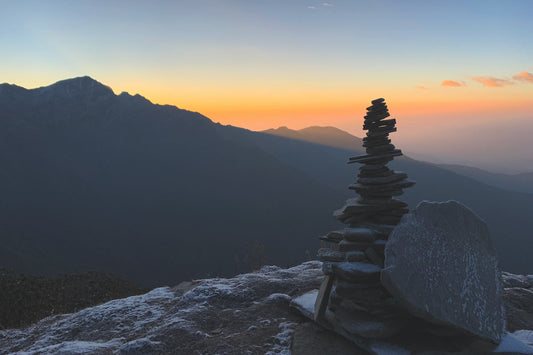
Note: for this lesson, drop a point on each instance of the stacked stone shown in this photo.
(353, 262)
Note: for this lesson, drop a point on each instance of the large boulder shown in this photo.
(440, 265)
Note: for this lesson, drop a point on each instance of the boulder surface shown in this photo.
(440, 264)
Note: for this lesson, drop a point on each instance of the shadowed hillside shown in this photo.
(26, 299)
(93, 180)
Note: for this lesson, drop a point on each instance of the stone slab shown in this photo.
(361, 235)
(440, 265)
(397, 176)
(327, 254)
(356, 271)
(367, 158)
(355, 256)
(345, 245)
(321, 303)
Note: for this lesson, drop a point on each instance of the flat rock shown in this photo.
(334, 237)
(345, 245)
(385, 229)
(373, 141)
(311, 339)
(327, 254)
(367, 158)
(440, 265)
(370, 173)
(355, 256)
(361, 234)
(356, 271)
(362, 293)
(385, 188)
(380, 149)
(382, 180)
(381, 132)
(368, 326)
(354, 207)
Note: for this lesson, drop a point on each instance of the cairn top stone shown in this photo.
(440, 264)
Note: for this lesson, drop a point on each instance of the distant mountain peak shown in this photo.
(328, 135)
(79, 86)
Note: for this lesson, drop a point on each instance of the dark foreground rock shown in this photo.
(247, 314)
(440, 265)
(25, 299)
(518, 300)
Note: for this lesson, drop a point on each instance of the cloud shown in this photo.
(524, 76)
(452, 83)
(492, 81)
(326, 4)
(421, 87)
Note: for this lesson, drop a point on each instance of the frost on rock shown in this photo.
(244, 314)
(525, 336)
(306, 303)
(75, 347)
(511, 344)
(283, 339)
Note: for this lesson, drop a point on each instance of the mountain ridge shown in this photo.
(522, 182)
(121, 184)
(159, 194)
(326, 135)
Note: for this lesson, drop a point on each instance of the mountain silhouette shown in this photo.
(329, 136)
(522, 182)
(157, 194)
(94, 180)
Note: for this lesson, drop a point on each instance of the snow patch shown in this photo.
(306, 303)
(140, 346)
(75, 347)
(511, 344)
(283, 339)
(525, 336)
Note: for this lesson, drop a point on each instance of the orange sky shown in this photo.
(441, 66)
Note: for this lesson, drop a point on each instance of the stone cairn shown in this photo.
(352, 263)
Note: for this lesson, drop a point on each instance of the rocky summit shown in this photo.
(246, 314)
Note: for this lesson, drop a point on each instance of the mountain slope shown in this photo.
(507, 213)
(334, 137)
(516, 182)
(92, 180)
(329, 136)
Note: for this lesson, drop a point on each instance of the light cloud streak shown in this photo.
(492, 82)
(452, 83)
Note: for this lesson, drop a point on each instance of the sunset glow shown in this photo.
(264, 64)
